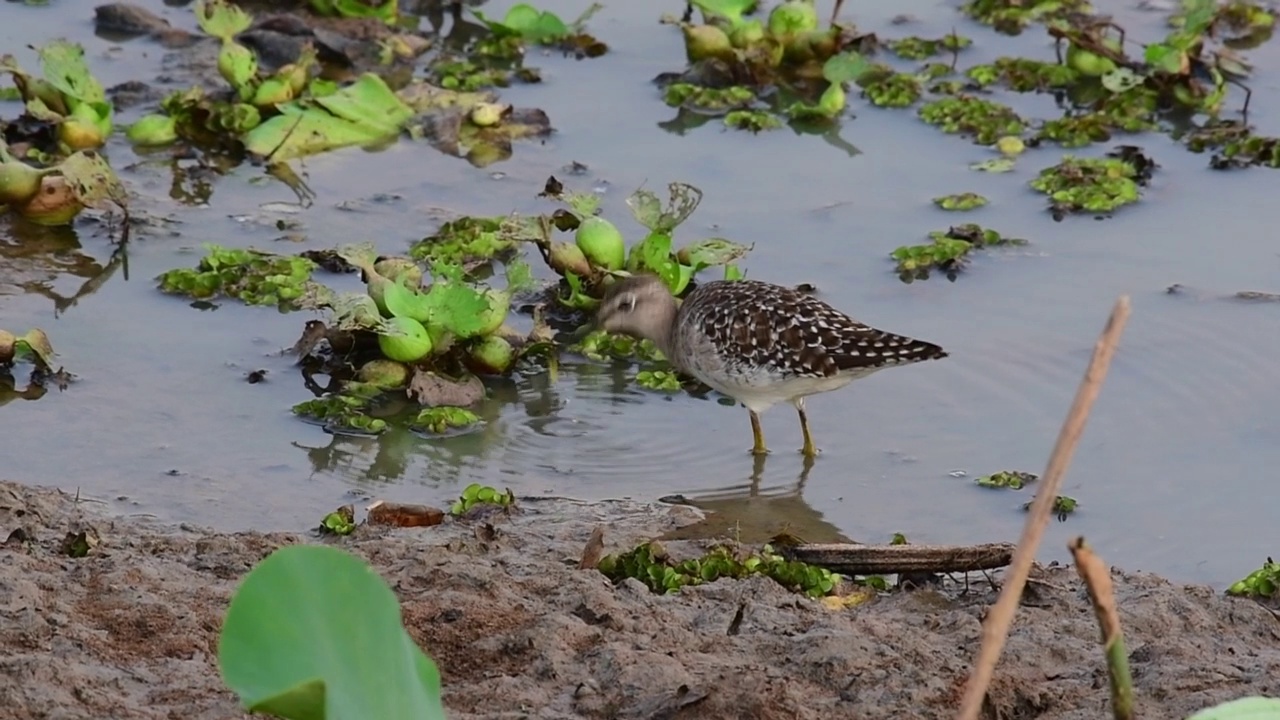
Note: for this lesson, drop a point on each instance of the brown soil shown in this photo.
(131, 630)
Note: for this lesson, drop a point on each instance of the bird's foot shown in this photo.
(810, 452)
(759, 451)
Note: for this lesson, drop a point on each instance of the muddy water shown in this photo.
(1174, 472)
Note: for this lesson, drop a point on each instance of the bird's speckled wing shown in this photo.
(791, 333)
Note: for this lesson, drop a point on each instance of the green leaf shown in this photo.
(313, 633)
(731, 10)
(1121, 79)
(63, 66)
(1246, 708)
(519, 276)
(1164, 58)
(363, 113)
(537, 26)
(221, 19)
(649, 212)
(845, 67)
(994, 165)
(710, 252)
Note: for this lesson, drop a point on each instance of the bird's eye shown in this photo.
(628, 303)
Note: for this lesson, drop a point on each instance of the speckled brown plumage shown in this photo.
(791, 333)
(757, 342)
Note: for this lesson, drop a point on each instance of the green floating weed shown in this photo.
(897, 90)
(1012, 16)
(660, 380)
(600, 345)
(251, 276)
(1262, 583)
(948, 252)
(709, 99)
(960, 201)
(650, 564)
(753, 120)
(914, 48)
(1094, 185)
(344, 412)
(1253, 150)
(1063, 506)
(476, 494)
(470, 239)
(1024, 74)
(1011, 479)
(987, 121)
(444, 419)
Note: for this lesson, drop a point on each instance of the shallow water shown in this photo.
(1173, 471)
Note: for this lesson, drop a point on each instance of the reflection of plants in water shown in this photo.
(33, 258)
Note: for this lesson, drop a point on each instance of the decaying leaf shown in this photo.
(80, 542)
(595, 548)
(432, 389)
(402, 515)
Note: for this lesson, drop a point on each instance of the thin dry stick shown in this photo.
(996, 628)
(1098, 582)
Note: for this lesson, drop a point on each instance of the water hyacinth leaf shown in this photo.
(405, 303)
(845, 67)
(36, 342)
(535, 25)
(63, 66)
(92, 179)
(649, 212)
(731, 10)
(1121, 79)
(361, 114)
(994, 165)
(314, 633)
(519, 276)
(1246, 708)
(221, 19)
(710, 252)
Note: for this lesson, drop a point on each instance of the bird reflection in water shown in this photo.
(754, 514)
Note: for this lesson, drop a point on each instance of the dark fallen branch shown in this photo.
(849, 559)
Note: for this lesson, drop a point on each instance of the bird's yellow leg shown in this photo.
(758, 434)
(810, 450)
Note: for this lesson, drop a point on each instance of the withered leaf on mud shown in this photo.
(432, 389)
(594, 549)
(79, 543)
(402, 515)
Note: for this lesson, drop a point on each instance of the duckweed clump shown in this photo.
(960, 201)
(1012, 16)
(251, 276)
(1023, 74)
(984, 119)
(659, 380)
(1093, 185)
(947, 252)
(650, 564)
(1010, 479)
(914, 48)
(897, 90)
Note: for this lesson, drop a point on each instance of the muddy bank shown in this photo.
(131, 631)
